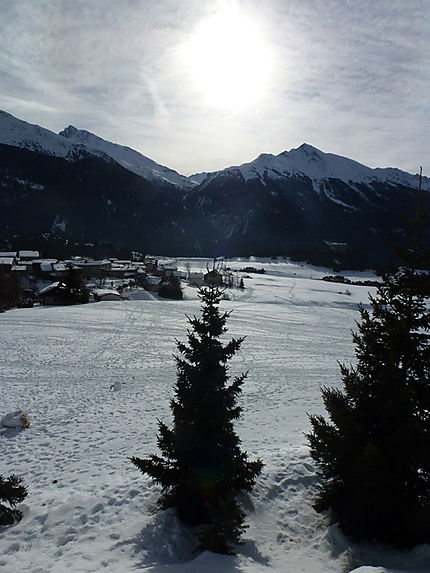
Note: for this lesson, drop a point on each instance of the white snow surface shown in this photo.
(128, 158)
(308, 161)
(90, 510)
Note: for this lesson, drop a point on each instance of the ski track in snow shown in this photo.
(90, 510)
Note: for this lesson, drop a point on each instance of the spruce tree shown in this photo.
(374, 452)
(11, 492)
(202, 468)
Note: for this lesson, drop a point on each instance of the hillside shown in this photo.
(89, 509)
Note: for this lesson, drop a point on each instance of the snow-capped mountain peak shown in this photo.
(128, 158)
(19, 133)
(308, 161)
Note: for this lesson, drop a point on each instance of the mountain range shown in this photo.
(79, 188)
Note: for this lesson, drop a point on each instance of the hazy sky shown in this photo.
(199, 85)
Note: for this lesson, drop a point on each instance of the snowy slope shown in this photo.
(19, 133)
(128, 158)
(310, 162)
(89, 510)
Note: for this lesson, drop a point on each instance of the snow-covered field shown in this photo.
(90, 510)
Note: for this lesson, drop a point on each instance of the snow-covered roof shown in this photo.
(106, 292)
(169, 267)
(94, 263)
(7, 254)
(29, 254)
(6, 261)
(19, 268)
(50, 287)
(26, 263)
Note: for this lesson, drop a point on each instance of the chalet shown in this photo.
(59, 270)
(213, 278)
(21, 270)
(168, 266)
(153, 283)
(27, 265)
(123, 270)
(56, 294)
(95, 268)
(195, 279)
(28, 255)
(41, 268)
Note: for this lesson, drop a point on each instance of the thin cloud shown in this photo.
(348, 77)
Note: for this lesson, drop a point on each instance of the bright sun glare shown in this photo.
(229, 59)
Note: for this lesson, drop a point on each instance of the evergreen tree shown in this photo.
(12, 492)
(374, 452)
(75, 285)
(171, 288)
(202, 469)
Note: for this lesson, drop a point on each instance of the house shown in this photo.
(21, 270)
(104, 294)
(195, 279)
(59, 270)
(41, 268)
(28, 255)
(95, 269)
(213, 278)
(56, 294)
(153, 283)
(168, 266)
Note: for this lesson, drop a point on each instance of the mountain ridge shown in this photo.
(127, 157)
(305, 160)
(305, 203)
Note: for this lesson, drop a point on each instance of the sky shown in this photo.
(199, 85)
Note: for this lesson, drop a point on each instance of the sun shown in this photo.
(228, 59)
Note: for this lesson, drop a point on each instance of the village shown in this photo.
(27, 279)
